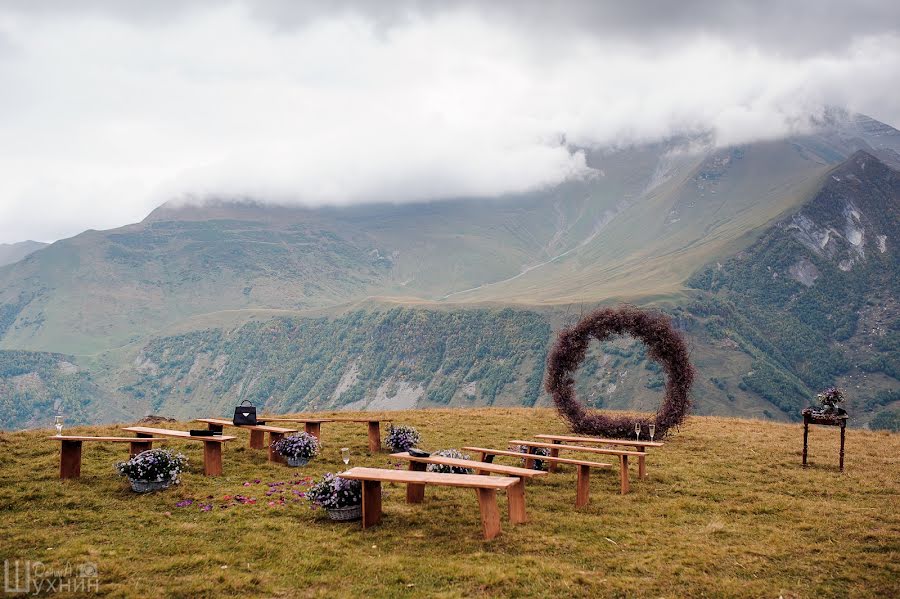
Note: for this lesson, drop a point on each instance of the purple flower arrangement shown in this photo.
(535, 451)
(154, 465)
(401, 438)
(444, 469)
(334, 492)
(300, 445)
(830, 397)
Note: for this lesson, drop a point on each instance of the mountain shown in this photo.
(13, 252)
(198, 306)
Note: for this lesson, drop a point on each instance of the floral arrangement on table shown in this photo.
(401, 438)
(298, 448)
(153, 469)
(340, 497)
(534, 451)
(831, 398)
(444, 469)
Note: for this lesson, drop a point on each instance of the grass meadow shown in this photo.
(727, 511)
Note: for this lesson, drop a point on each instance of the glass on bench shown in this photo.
(345, 454)
(59, 425)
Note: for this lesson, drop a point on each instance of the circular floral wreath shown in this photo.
(665, 345)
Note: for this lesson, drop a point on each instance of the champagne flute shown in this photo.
(59, 425)
(345, 454)
(637, 431)
(652, 432)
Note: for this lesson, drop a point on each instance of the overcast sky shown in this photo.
(108, 109)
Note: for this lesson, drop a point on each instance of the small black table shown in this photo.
(811, 417)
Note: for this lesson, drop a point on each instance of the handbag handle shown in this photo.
(246, 401)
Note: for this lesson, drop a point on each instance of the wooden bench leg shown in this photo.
(642, 466)
(274, 456)
(140, 447)
(516, 499)
(415, 493)
(212, 458)
(257, 440)
(374, 436)
(313, 428)
(624, 474)
(70, 459)
(490, 514)
(583, 486)
(371, 503)
(554, 453)
(529, 462)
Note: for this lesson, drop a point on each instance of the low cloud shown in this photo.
(112, 110)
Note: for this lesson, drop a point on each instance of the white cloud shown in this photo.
(103, 118)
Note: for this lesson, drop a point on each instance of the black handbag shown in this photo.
(244, 415)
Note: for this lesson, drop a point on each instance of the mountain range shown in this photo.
(777, 258)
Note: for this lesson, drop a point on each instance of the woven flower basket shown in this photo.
(297, 462)
(148, 486)
(345, 514)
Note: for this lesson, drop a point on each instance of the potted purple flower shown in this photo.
(297, 449)
(533, 451)
(153, 470)
(341, 498)
(444, 469)
(401, 438)
(831, 398)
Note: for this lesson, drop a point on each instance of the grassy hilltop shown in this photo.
(727, 511)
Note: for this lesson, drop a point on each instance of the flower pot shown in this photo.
(296, 462)
(148, 486)
(345, 514)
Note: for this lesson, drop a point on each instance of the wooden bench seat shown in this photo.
(583, 483)
(314, 426)
(70, 450)
(212, 446)
(638, 445)
(622, 454)
(257, 434)
(486, 488)
(416, 493)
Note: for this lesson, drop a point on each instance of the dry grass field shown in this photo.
(727, 511)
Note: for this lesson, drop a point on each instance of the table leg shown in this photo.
(583, 486)
(313, 428)
(624, 474)
(415, 493)
(274, 456)
(139, 447)
(374, 436)
(371, 503)
(805, 438)
(212, 458)
(257, 439)
(554, 453)
(515, 495)
(843, 428)
(70, 459)
(490, 514)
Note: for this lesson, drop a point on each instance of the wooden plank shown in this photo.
(297, 420)
(583, 486)
(102, 439)
(490, 514)
(339, 419)
(250, 427)
(516, 502)
(374, 436)
(492, 452)
(70, 459)
(175, 434)
(560, 446)
(474, 464)
(274, 456)
(140, 446)
(600, 441)
(371, 503)
(257, 439)
(429, 478)
(623, 474)
(212, 458)
(314, 429)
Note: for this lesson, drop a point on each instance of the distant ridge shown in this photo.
(13, 252)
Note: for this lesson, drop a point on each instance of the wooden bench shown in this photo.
(257, 434)
(583, 483)
(70, 450)
(313, 426)
(638, 445)
(623, 456)
(486, 488)
(416, 493)
(212, 446)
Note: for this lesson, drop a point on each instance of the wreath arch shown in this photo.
(665, 345)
